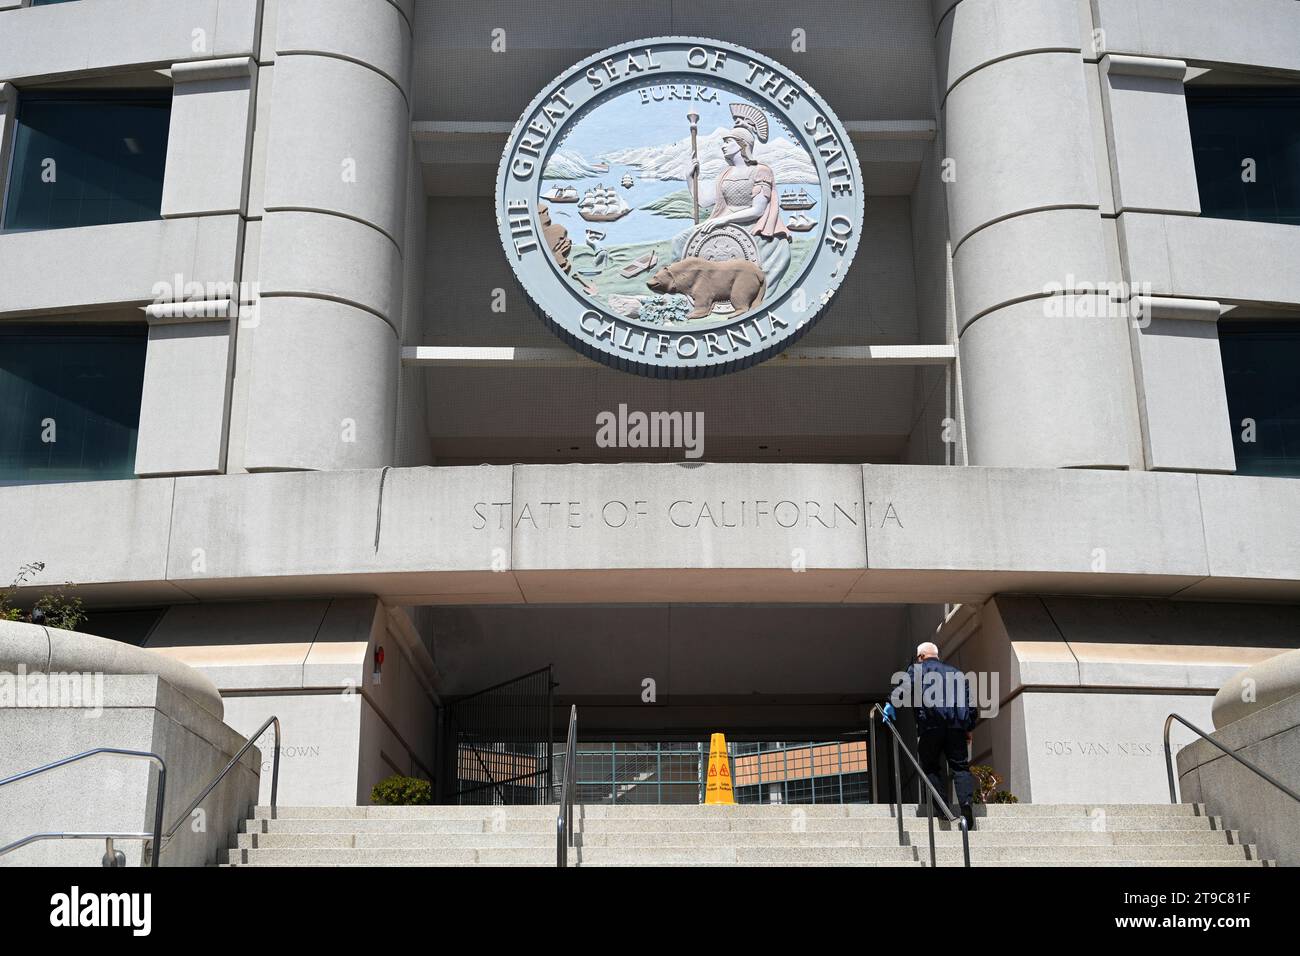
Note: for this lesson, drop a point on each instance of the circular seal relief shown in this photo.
(679, 207)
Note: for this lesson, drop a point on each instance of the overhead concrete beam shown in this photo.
(504, 356)
(689, 532)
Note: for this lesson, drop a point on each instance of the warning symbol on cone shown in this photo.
(717, 787)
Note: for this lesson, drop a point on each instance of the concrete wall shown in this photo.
(1267, 817)
(311, 663)
(989, 235)
(308, 210)
(1043, 213)
(488, 534)
(140, 712)
(1085, 685)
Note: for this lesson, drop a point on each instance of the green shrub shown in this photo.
(399, 791)
(60, 611)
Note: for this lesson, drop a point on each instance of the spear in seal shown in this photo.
(694, 177)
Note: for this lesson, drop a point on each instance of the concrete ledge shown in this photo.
(49, 650)
(205, 70)
(1257, 687)
(1204, 31)
(130, 260)
(1225, 260)
(501, 534)
(1144, 66)
(64, 40)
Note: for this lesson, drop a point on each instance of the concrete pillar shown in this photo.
(1181, 393)
(1146, 117)
(1178, 371)
(1046, 372)
(209, 138)
(321, 375)
(184, 402)
(184, 408)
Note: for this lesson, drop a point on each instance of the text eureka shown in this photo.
(681, 513)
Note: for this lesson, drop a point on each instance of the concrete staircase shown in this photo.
(630, 835)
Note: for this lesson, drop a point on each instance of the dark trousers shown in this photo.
(951, 744)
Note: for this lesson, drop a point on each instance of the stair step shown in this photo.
(752, 835)
(754, 811)
(643, 856)
(399, 840)
(1045, 852)
(783, 824)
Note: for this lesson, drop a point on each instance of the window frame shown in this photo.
(89, 94)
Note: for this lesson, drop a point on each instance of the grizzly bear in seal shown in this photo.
(737, 281)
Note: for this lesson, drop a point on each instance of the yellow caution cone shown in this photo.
(717, 787)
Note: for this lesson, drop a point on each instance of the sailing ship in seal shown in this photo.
(796, 200)
(561, 194)
(602, 204)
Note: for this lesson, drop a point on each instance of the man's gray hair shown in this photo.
(927, 649)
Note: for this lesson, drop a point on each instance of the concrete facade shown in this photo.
(1009, 433)
(71, 693)
(1256, 715)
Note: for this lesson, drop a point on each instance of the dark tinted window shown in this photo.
(1260, 363)
(88, 158)
(69, 401)
(1231, 125)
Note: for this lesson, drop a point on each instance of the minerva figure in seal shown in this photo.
(746, 219)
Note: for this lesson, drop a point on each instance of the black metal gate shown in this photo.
(497, 746)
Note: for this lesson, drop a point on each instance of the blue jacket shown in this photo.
(939, 693)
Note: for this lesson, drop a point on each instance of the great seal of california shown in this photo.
(679, 207)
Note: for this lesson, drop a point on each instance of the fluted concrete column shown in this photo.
(321, 389)
(1046, 370)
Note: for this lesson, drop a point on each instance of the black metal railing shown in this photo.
(1169, 760)
(931, 794)
(499, 746)
(564, 819)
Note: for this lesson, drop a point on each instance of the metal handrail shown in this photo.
(275, 779)
(931, 794)
(156, 836)
(1169, 760)
(564, 821)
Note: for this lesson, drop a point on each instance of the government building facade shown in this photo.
(339, 362)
